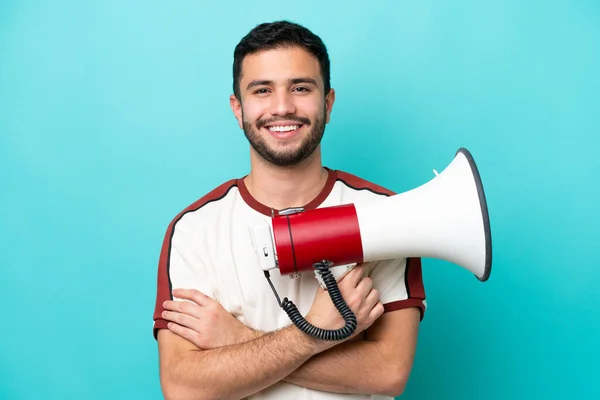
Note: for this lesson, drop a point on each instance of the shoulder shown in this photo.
(206, 205)
(354, 183)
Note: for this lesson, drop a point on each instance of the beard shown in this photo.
(286, 157)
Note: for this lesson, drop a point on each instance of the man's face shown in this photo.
(284, 110)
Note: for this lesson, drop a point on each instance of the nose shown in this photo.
(283, 104)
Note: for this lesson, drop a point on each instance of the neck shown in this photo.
(283, 187)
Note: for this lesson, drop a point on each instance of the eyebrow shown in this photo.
(260, 82)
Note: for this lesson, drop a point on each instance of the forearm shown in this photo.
(337, 369)
(237, 371)
(357, 367)
(352, 367)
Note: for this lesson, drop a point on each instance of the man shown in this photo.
(221, 333)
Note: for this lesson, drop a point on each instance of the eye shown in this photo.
(302, 89)
(261, 91)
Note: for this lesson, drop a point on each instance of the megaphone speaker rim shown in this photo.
(484, 213)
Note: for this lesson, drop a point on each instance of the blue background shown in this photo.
(115, 115)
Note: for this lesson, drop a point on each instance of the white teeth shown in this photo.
(283, 128)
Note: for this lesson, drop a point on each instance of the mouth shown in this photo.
(284, 131)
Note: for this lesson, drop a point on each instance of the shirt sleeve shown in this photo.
(179, 266)
(400, 284)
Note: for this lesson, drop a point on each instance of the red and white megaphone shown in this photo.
(445, 218)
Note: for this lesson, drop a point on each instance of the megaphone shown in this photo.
(446, 218)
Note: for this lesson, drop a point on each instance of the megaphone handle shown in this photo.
(336, 297)
(338, 273)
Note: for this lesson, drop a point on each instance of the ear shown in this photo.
(236, 107)
(329, 100)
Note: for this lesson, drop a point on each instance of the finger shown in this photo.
(181, 319)
(194, 295)
(372, 298)
(376, 311)
(353, 277)
(186, 333)
(184, 307)
(364, 286)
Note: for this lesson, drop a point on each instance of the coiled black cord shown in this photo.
(338, 300)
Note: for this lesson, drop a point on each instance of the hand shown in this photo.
(204, 321)
(359, 295)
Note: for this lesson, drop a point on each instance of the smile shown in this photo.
(284, 132)
(286, 128)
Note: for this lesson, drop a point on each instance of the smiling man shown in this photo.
(221, 333)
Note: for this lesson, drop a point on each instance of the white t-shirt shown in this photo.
(208, 247)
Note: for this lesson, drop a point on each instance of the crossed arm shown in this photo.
(378, 363)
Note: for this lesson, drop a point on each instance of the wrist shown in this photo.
(313, 344)
(250, 334)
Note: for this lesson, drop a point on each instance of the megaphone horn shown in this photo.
(446, 218)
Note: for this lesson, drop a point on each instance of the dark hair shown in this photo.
(279, 34)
